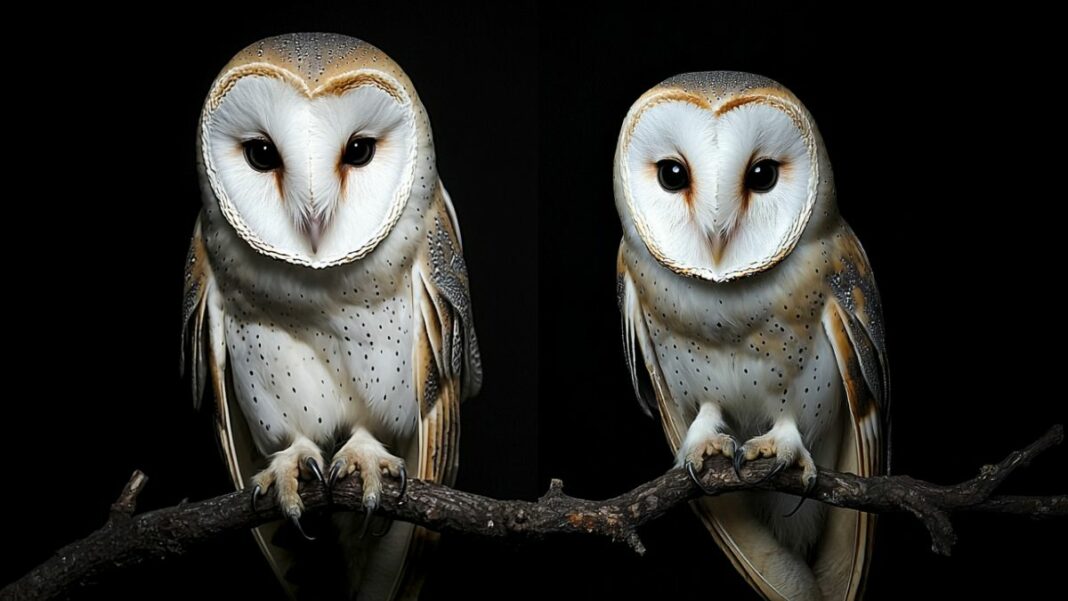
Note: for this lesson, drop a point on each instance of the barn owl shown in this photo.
(751, 321)
(327, 297)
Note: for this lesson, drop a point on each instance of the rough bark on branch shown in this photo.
(130, 539)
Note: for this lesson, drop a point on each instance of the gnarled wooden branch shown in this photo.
(129, 539)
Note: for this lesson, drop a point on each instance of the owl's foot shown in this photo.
(363, 453)
(695, 451)
(300, 461)
(703, 439)
(783, 442)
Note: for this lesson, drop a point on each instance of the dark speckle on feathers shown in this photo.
(449, 274)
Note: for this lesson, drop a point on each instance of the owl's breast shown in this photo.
(755, 346)
(321, 356)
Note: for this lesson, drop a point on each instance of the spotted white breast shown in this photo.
(751, 322)
(327, 297)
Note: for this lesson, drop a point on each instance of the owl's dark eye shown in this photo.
(359, 152)
(672, 175)
(762, 175)
(262, 155)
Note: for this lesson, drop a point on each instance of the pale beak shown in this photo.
(719, 244)
(313, 227)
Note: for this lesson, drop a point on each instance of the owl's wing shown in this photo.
(447, 365)
(204, 356)
(853, 322)
(194, 357)
(649, 385)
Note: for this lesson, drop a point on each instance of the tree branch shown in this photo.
(127, 539)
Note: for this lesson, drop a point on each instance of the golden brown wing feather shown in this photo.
(197, 280)
(852, 320)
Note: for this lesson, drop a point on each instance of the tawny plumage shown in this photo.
(327, 298)
(751, 321)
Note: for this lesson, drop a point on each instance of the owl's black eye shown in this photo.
(262, 155)
(762, 175)
(359, 152)
(672, 175)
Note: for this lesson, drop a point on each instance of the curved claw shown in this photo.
(738, 462)
(775, 471)
(335, 471)
(384, 531)
(734, 446)
(689, 470)
(296, 522)
(369, 506)
(363, 527)
(808, 488)
(403, 484)
(255, 494)
(693, 476)
(800, 502)
(313, 465)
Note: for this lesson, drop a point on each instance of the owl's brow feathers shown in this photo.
(335, 86)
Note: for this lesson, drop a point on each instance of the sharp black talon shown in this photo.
(363, 527)
(798, 506)
(335, 471)
(383, 532)
(689, 470)
(693, 476)
(255, 493)
(808, 488)
(369, 506)
(313, 465)
(296, 522)
(403, 485)
(779, 467)
(734, 446)
(739, 462)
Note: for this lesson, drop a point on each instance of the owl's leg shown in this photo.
(784, 443)
(300, 461)
(705, 437)
(365, 454)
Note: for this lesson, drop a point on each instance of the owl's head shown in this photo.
(311, 144)
(720, 173)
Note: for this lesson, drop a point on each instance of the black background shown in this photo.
(936, 131)
(945, 143)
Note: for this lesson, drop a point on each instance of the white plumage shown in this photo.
(327, 295)
(751, 322)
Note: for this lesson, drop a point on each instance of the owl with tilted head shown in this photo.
(327, 302)
(752, 326)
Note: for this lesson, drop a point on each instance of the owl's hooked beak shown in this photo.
(719, 245)
(718, 237)
(313, 228)
(719, 234)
